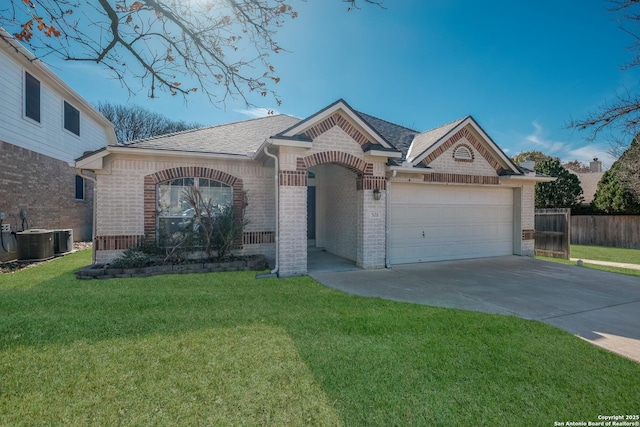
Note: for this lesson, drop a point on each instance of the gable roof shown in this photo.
(425, 140)
(237, 138)
(326, 117)
(429, 145)
(245, 138)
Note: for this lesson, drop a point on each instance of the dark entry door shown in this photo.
(311, 213)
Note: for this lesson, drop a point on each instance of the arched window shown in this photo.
(175, 212)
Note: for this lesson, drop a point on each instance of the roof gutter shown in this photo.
(530, 178)
(274, 272)
(94, 161)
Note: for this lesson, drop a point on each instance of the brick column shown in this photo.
(292, 244)
(528, 220)
(371, 223)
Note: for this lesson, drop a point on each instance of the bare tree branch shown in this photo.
(223, 45)
(622, 115)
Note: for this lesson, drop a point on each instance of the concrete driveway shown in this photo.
(603, 308)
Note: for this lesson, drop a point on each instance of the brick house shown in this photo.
(44, 127)
(365, 189)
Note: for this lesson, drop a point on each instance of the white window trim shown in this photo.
(79, 120)
(24, 99)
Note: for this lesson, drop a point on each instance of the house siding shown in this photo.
(37, 173)
(49, 136)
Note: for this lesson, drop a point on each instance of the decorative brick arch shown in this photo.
(337, 119)
(364, 171)
(349, 161)
(463, 133)
(466, 147)
(151, 195)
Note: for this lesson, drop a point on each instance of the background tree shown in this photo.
(564, 192)
(621, 116)
(135, 122)
(618, 191)
(630, 169)
(577, 166)
(224, 46)
(536, 156)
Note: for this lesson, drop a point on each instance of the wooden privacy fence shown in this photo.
(552, 232)
(619, 231)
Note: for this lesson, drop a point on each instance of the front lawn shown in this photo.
(602, 253)
(226, 349)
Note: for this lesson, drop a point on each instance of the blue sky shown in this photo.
(521, 68)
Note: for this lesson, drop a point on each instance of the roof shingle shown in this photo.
(423, 141)
(238, 138)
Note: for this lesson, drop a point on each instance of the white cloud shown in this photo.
(547, 146)
(257, 112)
(589, 152)
(565, 150)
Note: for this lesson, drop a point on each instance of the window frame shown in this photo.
(160, 217)
(75, 116)
(30, 97)
(82, 182)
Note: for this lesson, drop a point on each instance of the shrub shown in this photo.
(132, 258)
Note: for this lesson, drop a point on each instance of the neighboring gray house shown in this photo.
(589, 180)
(44, 127)
(360, 187)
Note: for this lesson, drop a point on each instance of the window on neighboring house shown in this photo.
(31, 97)
(175, 214)
(71, 118)
(79, 187)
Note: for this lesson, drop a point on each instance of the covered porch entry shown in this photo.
(342, 216)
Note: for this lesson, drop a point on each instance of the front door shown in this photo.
(311, 216)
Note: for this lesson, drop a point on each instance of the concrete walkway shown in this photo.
(602, 308)
(609, 263)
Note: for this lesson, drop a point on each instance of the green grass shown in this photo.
(226, 349)
(617, 270)
(602, 253)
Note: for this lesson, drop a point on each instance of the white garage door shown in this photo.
(434, 223)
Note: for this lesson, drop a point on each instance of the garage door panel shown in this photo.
(431, 223)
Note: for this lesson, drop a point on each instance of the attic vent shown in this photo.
(463, 154)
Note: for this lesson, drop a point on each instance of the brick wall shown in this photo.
(371, 229)
(121, 207)
(293, 230)
(528, 219)
(336, 139)
(341, 210)
(45, 188)
(446, 163)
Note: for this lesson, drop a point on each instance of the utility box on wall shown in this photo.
(8, 251)
(35, 245)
